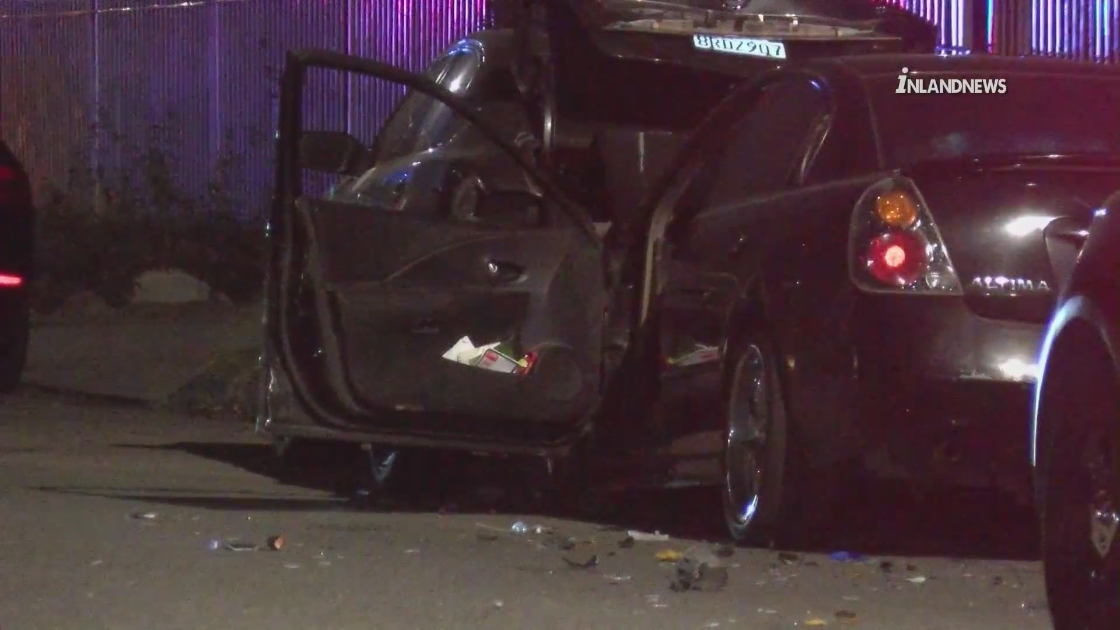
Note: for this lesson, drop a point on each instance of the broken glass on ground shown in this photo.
(695, 574)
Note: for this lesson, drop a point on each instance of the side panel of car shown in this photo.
(771, 226)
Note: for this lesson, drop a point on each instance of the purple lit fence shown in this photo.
(198, 76)
(201, 74)
(1082, 30)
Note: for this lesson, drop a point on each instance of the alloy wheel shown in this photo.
(748, 413)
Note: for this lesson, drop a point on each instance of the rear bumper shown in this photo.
(944, 391)
(919, 387)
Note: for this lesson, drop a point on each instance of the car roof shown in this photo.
(878, 66)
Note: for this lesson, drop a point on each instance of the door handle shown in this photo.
(501, 272)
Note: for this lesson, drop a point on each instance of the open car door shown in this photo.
(444, 295)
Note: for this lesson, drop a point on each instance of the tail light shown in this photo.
(8, 177)
(12, 187)
(895, 246)
(11, 190)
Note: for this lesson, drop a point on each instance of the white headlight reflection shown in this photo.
(1019, 370)
(1024, 225)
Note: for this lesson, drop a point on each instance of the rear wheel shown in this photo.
(754, 463)
(13, 354)
(1082, 512)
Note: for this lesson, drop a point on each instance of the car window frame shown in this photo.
(798, 160)
(713, 130)
(447, 61)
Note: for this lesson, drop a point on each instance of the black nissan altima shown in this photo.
(844, 265)
(1075, 429)
(16, 253)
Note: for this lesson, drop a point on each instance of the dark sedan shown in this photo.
(16, 254)
(843, 265)
(1075, 435)
(614, 86)
(869, 253)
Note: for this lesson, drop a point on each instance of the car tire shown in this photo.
(1083, 480)
(755, 463)
(13, 357)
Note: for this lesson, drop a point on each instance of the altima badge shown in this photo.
(1001, 284)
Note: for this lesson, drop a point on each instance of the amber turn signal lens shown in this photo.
(896, 209)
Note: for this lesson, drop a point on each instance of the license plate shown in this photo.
(740, 46)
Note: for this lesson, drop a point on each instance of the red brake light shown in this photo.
(7, 175)
(10, 281)
(896, 257)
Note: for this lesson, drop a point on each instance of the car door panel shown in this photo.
(404, 288)
(373, 298)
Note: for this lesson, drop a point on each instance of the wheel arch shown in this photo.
(1078, 351)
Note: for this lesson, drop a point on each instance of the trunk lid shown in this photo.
(994, 223)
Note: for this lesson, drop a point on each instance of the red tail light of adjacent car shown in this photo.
(12, 187)
(12, 190)
(895, 246)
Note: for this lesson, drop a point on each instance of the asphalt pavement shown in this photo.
(119, 517)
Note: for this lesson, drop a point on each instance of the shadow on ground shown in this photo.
(880, 519)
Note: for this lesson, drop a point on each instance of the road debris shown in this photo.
(626, 543)
(886, 566)
(846, 556)
(647, 537)
(788, 558)
(723, 550)
(845, 615)
(291, 565)
(144, 516)
(276, 543)
(521, 529)
(617, 579)
(917, 579)
(586, 562)
(668, 555)
(697, 574)
(655, 601)
(240, 546)
(816, 621)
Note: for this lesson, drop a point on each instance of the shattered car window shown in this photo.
(422, 123)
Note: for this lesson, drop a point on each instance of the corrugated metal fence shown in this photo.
(198, 79)
(1082, 30)
(200, 76)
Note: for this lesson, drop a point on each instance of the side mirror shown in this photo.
(332, 152)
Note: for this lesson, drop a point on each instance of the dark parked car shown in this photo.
(16, 255)
(614, 86)
(659, 67)
(831, 272)
(1075, 437)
